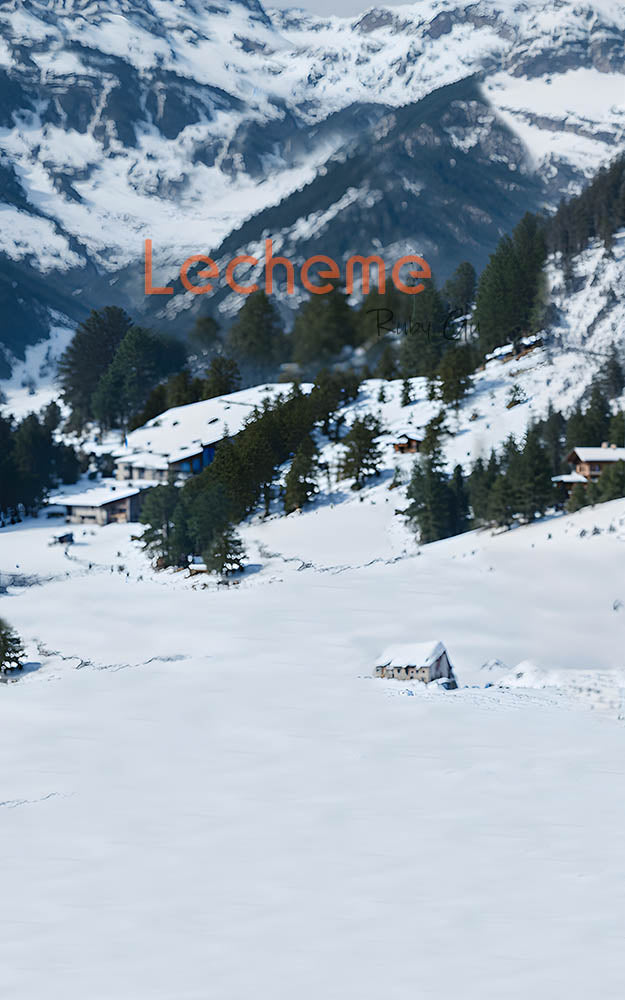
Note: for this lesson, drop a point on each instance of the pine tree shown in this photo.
(225, 553)
(406, 392)
(324, 325)
(11, 649)
(552, 430)
(301, 479)
(611, 483)
(433, 502)
(362, 455)
(206, 513)
(142, 359)
(386, 367)
(510, 284)
(611, 377)
(222, 377)
(205, 333)
(423, 343)
(500, 510)
(515, 396)
(454, 374)
(381, 395)
(435, 429)
(9, 493)
(459, 290)
(162, 514)
(577, 499)
(597, 416)
(460, 507)
(256, 339)
(87, 357)
(535, 487)
(479, 488)
(33, 452)
(616, 434)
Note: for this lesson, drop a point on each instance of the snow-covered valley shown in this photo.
(206, 788)
(223, 794)
(210, 784)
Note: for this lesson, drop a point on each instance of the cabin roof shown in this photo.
(183, 431)
(570, 477)
(104, 493)
(413, 654)
(597, 455)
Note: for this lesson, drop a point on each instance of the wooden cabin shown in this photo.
(407, 444)
(421, 661)
(107, 503)
(588, 464)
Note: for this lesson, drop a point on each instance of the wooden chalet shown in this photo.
(407, 443)
(588, 464)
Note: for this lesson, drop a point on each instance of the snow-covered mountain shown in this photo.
(183, 121)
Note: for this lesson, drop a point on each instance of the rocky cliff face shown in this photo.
(185, 122)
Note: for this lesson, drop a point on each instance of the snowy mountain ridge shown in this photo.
(184, 121)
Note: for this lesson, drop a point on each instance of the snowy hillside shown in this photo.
(206, 784)
(180, 121)
(216, 777)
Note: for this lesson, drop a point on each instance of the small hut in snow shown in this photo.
(407, 442)
(422, 661)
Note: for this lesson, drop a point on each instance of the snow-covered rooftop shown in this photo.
(599, 454)
(105, 492)
(183, 431)
(570, 477)
(414, 654)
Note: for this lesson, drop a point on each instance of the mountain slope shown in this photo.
(122, 120)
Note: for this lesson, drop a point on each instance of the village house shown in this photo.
(589, 463)
(181, 442)
(109, 502)
(516, 351)
(422, 661)
(407, 442)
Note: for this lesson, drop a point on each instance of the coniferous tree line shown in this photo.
(32, 462)
(511, 288)
(596, 213)
(11, 648)
(111, 365)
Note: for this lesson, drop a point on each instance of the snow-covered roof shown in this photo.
(183, 431)
(412, 434)
(502, 352)
(598, 454)
(148, 460)
(413, 654)
(107, 491)
(570, 477)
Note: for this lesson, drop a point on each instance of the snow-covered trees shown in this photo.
(509, 285)
(301, 479)
(186, 520)
(31, 462)
(225, 553)
(11, 649)
(438, 503)
(362, 454)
